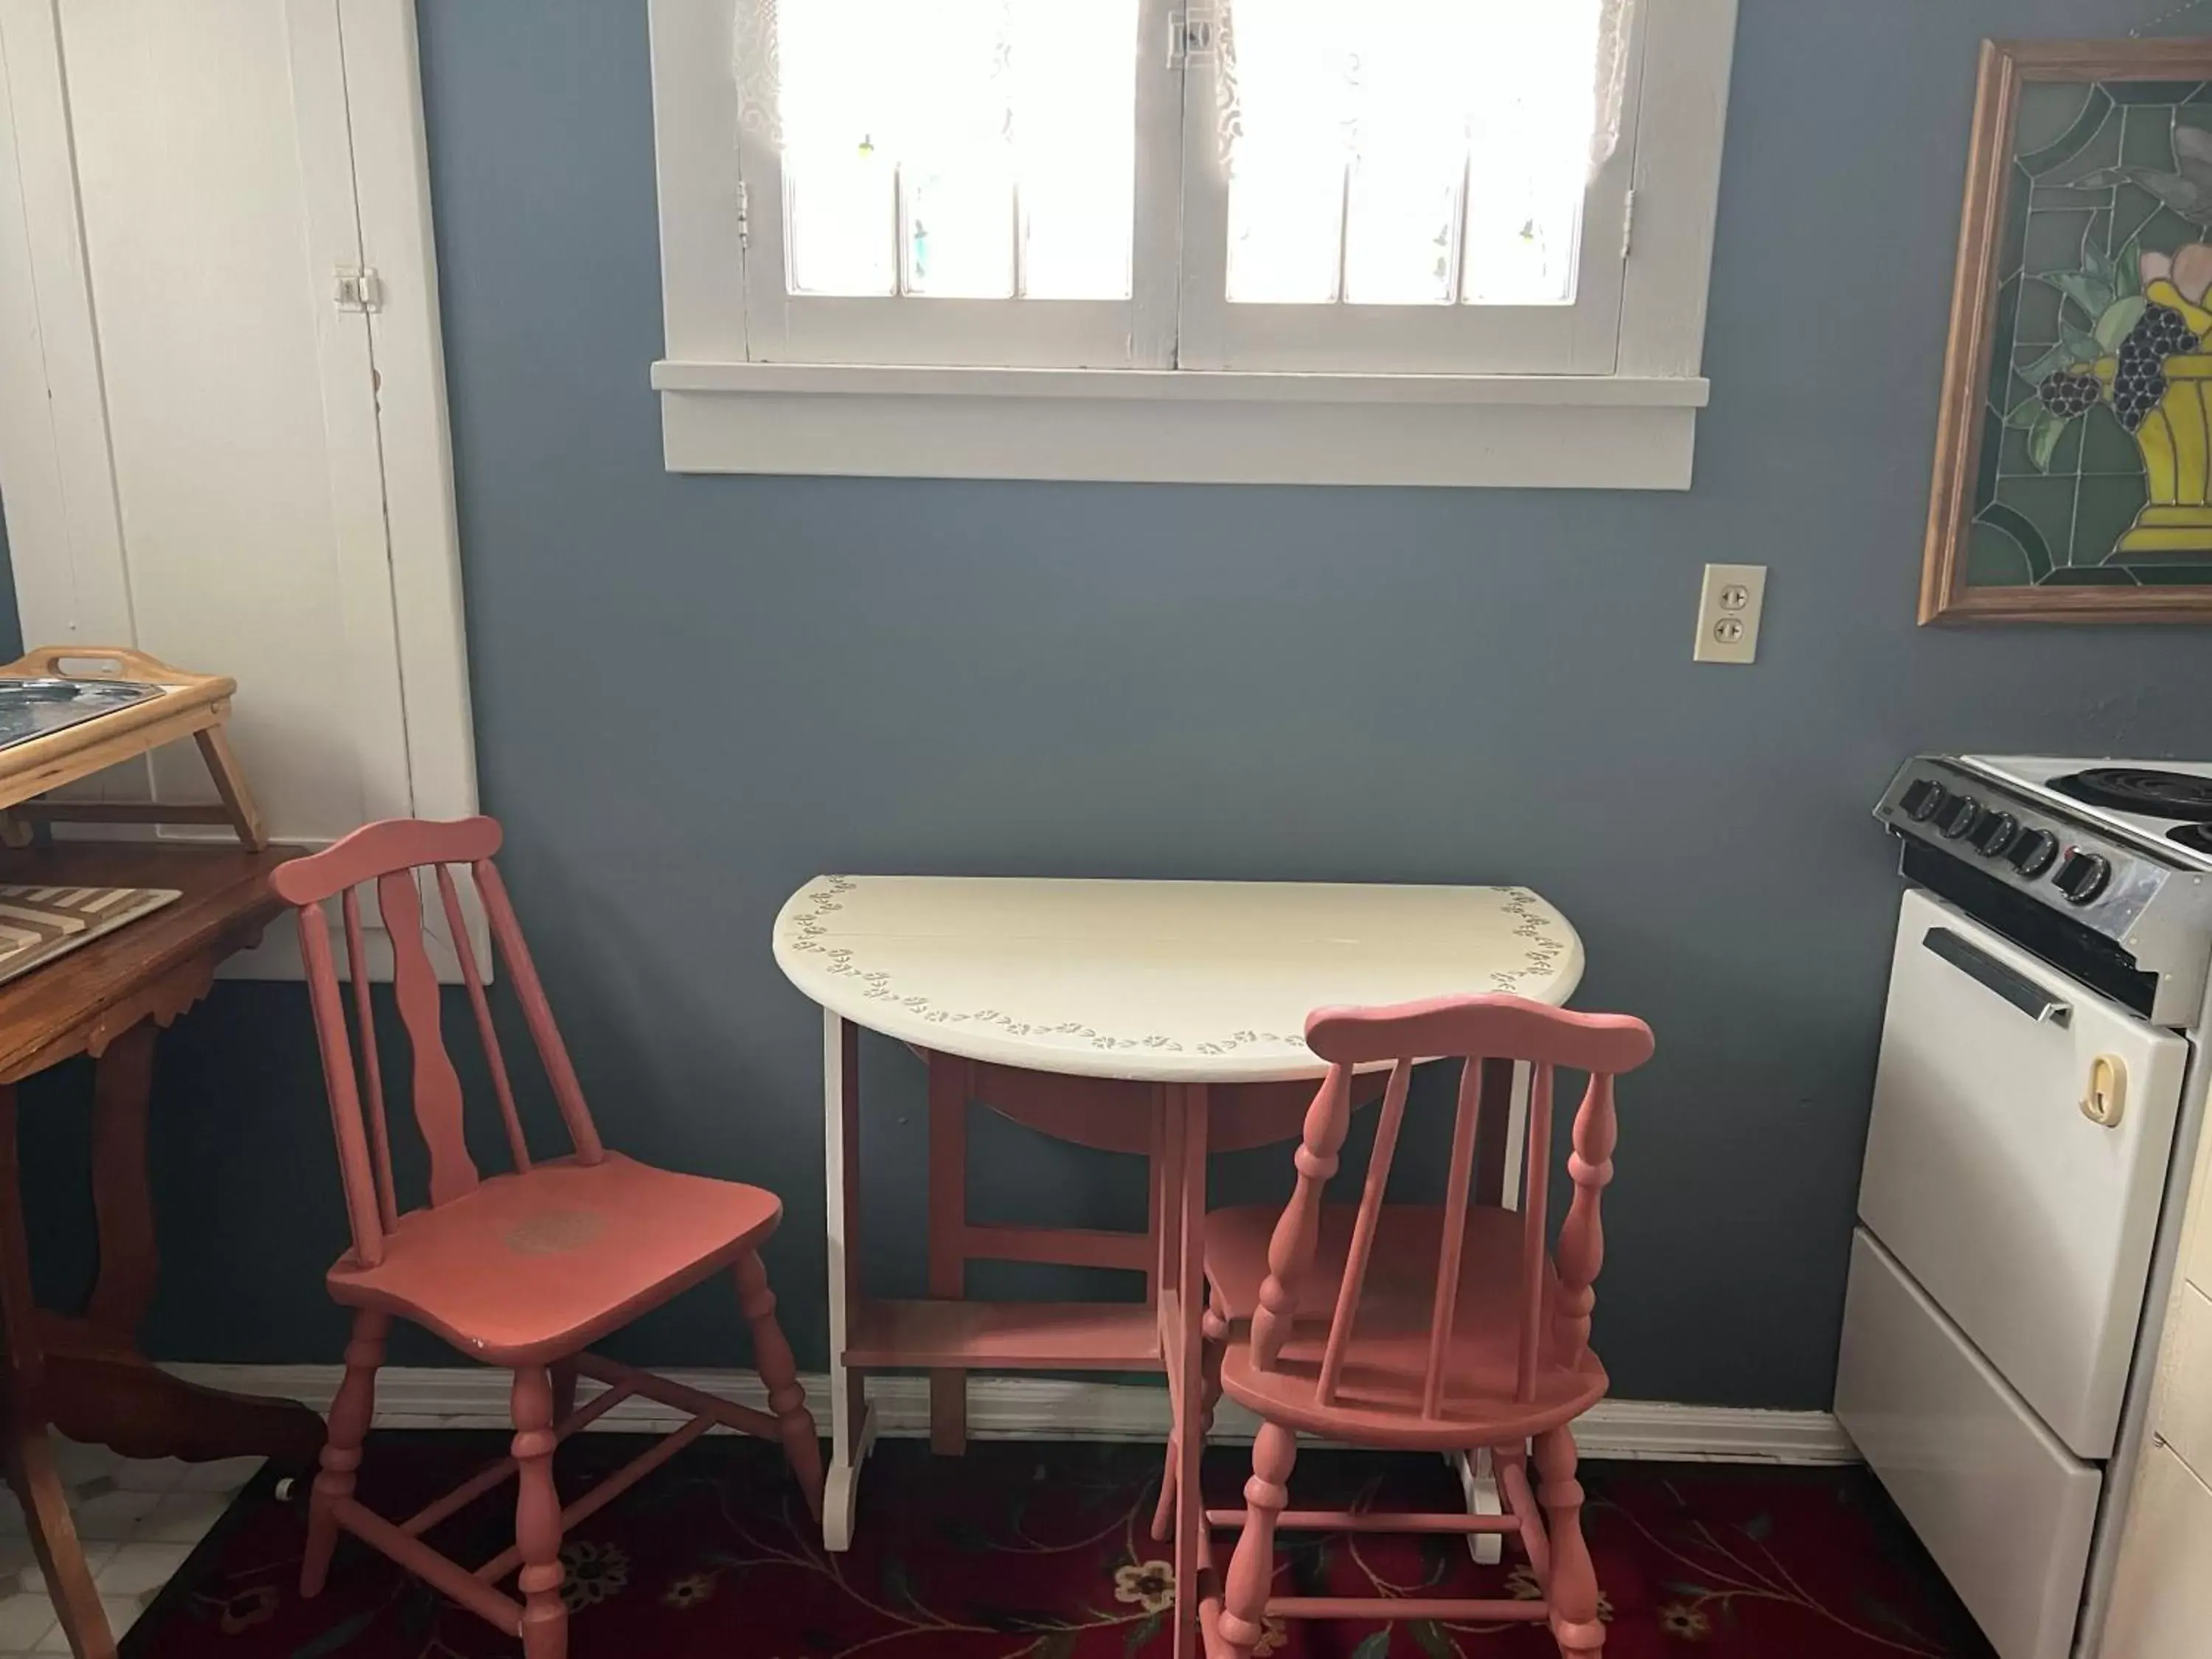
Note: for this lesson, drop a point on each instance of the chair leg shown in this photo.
(1215, 1326)
(1252, 1568)
(779, 1370)
(1572, 1592)
(352, 1413)
(537, 1518)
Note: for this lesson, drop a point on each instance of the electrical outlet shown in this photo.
(1727, 613)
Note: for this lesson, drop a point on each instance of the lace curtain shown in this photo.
(1614, 20)
(759, 61)
(921, 69)
(1470, 66)
(1509, 39)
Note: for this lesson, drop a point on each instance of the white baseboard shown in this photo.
(1037, 1408)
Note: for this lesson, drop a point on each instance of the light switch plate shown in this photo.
(1727, 613)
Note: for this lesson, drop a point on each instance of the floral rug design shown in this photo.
(1028, 1552)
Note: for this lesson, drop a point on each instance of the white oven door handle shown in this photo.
(1985, 970)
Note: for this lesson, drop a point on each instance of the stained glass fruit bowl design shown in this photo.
(2144, 357)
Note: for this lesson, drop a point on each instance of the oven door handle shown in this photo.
(1985, 969)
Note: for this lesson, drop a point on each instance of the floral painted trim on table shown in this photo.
(808, 928)
(1532, 918)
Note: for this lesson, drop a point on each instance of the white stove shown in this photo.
(2042, 1079)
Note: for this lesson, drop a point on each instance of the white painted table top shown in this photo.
(1166, 982)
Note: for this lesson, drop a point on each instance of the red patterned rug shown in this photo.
(1029, 1552)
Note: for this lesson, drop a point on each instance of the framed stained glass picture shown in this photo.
(2074, 457)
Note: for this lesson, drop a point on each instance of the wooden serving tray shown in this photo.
(190, 705)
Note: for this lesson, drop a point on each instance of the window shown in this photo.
(1400, 241)
(963, 189)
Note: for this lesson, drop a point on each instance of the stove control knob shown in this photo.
(1960, 815)
(1997, 832)
(1921, 798)
(2033, 853)
(2083, 876)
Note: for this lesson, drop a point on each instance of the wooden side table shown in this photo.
(82, 1373)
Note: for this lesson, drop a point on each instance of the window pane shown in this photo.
(1287, 173)
(977, 149)
(1530, 144)
(960, 226)
(1074, 130)
(1400, 219)
(844, 222)
(1409, 152)
(1286, 226)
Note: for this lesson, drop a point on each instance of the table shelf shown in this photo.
(1055, 1336)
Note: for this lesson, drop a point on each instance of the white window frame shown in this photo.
(852, 388)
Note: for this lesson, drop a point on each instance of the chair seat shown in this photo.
(529, 1268)
(1377, 1399)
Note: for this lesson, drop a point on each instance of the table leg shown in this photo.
(121, 1088)
(1188, 1224)
(852, 1426)
(100, 1389)
(24, 1449)
(1168, 1116)
(1477, 1484)
(1494, 1134)
(948, 1225)
(1156, 1223)
(229, 780)
(30, 1463)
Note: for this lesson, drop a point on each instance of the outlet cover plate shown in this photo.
(1728, 606)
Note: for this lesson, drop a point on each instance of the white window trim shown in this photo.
(1634, 429)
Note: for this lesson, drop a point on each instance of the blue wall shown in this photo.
(1351, 684)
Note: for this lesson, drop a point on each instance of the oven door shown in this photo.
(2015, 1160)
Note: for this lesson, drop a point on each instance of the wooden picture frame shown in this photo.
(2118, 400)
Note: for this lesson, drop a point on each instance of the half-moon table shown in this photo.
(1155, 1017)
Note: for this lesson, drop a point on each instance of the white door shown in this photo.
(2026, 1221)
(206, 451)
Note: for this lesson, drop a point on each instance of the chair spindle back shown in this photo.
(1472, 1029)
(391, 854)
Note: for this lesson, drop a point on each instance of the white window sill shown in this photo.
(1180, 426)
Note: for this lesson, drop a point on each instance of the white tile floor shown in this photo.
(138, 1520)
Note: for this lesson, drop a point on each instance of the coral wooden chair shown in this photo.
(523, 1270)
(1445, 1327)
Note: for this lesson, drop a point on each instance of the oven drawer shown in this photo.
(2005, 1510)
(2030, 1224)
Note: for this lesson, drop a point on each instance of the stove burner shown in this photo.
(2146, 790)
(2197, 837)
